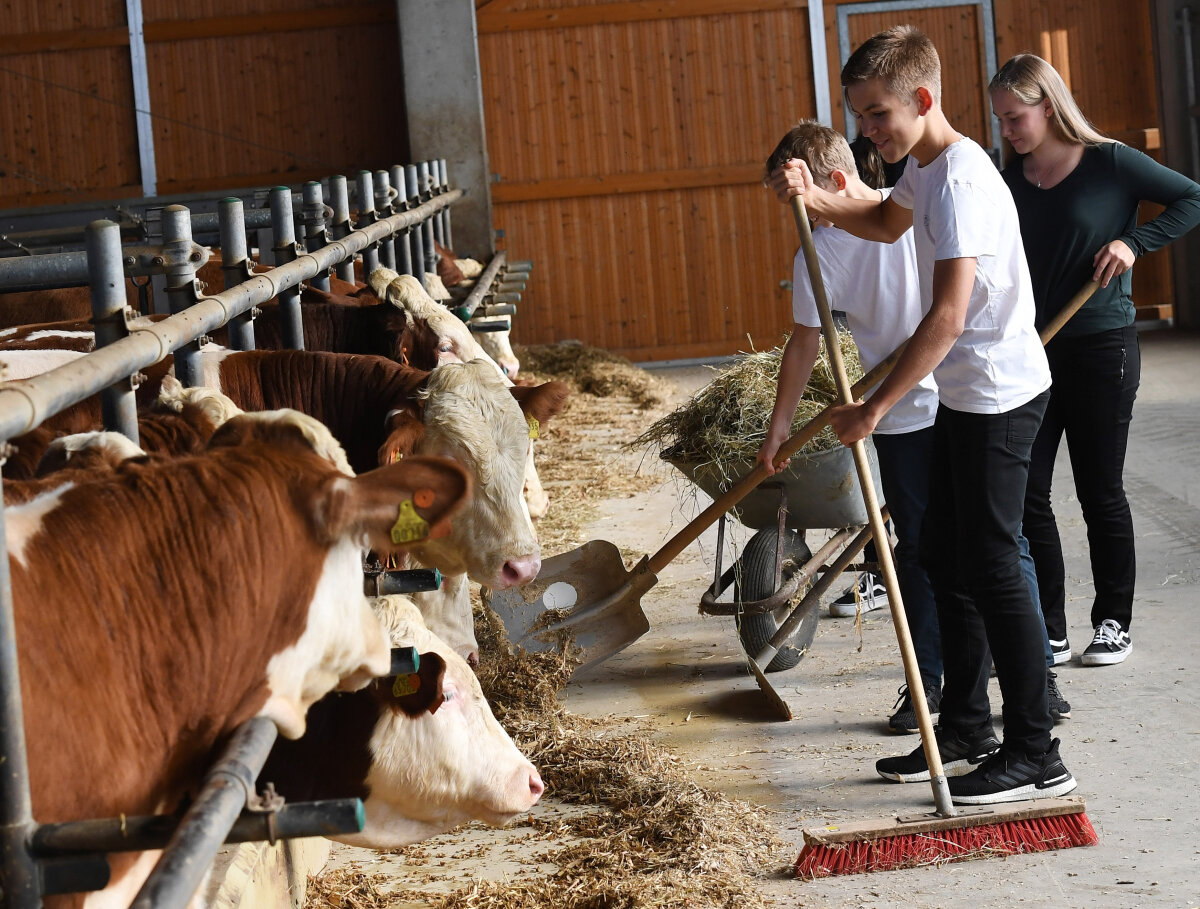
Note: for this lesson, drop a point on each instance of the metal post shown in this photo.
(202, 831)
(412, 190)
(118, 406)
(181, 289)
(383, 206)
(435, 179)
(403, 240)
(314, 228)
(444, 179)
(235, 266)
(339, 201)
(366, 216)
(18, 872)
(431, 256)
(284, 231)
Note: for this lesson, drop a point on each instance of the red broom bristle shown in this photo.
(955, 845)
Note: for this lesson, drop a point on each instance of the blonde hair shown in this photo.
(824, 150)
(902, 57)
(1032, 80)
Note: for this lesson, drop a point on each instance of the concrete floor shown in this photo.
(1133, 741)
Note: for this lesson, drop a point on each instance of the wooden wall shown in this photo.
(627, 141)
(242, 92)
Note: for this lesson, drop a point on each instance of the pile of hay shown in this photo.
(725, 423)
(593, 371)
(658, 839)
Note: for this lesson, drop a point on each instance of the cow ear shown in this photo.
(397, 506)
(541, 401)
(404, 431)
(420, 691)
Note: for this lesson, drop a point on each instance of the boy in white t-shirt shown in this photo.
(877, 287)
(978, 339)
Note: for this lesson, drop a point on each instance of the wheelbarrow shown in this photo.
(818, 490)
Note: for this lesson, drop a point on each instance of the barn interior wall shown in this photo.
(242, 93)
(627, 139)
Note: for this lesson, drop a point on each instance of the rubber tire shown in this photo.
(757, 583)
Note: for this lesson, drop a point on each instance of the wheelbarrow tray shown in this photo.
(821, 489)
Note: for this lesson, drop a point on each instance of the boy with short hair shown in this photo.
(876, 286)
(978, 339)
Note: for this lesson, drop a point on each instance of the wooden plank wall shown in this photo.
(627, 139)
(243, 93)
(629, 155)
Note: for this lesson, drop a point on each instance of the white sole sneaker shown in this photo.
(1060, 656)
(1051, 790)
(1105, 659)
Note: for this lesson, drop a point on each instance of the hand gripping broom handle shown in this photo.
(937, 777)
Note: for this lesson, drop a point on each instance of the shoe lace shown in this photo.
(1052, 686)
(904, 700)
(1109, 632)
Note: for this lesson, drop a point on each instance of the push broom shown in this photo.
(949, 833)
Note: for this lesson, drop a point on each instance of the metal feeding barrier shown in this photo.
(38, 860)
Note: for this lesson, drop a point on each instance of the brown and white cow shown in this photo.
(418, 773)
(160, 606)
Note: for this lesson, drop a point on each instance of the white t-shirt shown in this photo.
(876, 286)
(962, 208)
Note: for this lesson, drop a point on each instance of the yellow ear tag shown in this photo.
(406, 684)
(534, 425)
(409, 526)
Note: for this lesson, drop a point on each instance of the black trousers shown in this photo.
(969, 549)
(1096, 379)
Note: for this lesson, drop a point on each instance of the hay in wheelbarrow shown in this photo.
(725, 422)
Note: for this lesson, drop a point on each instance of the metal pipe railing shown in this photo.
(339, 201)
(483, 283)
(227, 789)
(383, 208)
(412, 190)
(236, 268)
(403, 240)
(182, 291)
(26, 403)
(315, 235)
(367, 217)
(426, 227)
(118, 406)
(285, 251)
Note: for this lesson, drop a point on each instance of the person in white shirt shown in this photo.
(877, 287)
(977, 337)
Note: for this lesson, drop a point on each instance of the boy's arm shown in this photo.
(884, 221)
(935, 335)
(799, 355)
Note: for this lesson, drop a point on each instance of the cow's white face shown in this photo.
(471, 416)
(498, 346)
(434, 771)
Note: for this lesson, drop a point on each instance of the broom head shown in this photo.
(926, 839)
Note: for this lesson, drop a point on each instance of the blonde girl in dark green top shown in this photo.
(1077, 194)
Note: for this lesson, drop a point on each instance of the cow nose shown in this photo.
(536, 786)
(521, 570)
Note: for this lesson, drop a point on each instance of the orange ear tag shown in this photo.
(410, 526)
(406, 684)
(423, 498)
(534, 426)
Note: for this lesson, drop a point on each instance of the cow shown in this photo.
(23, 364)
(418, 773)
(161, 605)
(498, 346)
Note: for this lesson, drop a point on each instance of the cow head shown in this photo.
(346, 514)
(431, 771)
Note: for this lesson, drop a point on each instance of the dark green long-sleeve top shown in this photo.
(1065, 226)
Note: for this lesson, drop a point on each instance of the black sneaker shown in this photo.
(1110, 645)
(1010, 776)
(959, 755)
(1061, 651)
(904, 720)
(1060, 708)
(868, 594)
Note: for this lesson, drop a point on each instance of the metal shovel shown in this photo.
(586, 596)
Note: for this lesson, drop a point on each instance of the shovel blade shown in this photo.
(584, 597)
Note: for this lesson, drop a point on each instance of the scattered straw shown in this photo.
(593, 371)
(347, 888)
(725, 422)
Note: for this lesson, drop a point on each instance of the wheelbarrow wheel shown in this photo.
(757, 582)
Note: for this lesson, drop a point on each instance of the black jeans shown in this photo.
(1096, 379)
(969, 549)
(904, 475)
